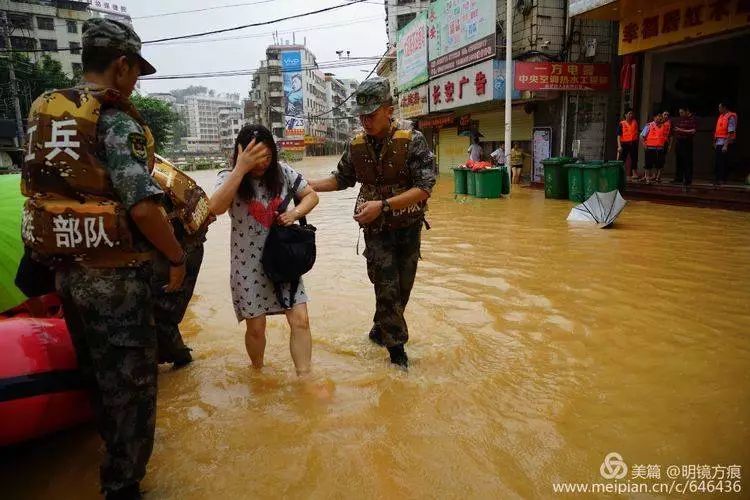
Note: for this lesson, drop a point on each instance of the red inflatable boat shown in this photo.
(41, 390)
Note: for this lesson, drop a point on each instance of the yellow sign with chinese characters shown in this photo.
(681, 21)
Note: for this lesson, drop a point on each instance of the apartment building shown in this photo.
(47, 27)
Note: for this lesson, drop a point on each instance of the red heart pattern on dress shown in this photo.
(264, 214)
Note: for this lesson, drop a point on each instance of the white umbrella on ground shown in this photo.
(601, 209)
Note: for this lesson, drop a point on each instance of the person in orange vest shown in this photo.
(724, 138)
(654, 137)
(627, 142)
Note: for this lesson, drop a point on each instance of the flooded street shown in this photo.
(537, 348)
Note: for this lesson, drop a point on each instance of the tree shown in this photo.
(159, 117)
(33, 79)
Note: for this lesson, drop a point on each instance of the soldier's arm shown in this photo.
(344, 176)
(126, 161)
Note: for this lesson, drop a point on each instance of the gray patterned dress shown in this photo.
(252, 292)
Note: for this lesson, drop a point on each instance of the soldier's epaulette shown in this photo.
(402, 134)
(358, 139)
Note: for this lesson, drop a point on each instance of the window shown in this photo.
(72, 27)
(20, 21)
(77, 68)
(75, 48)
(23, 43)
(50, 45)
(404, 19)
(404, 2)
(45, 23)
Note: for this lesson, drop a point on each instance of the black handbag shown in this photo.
(289, 252)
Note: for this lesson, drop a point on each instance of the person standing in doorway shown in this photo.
(395, 168)
(475, 149)
(724, 139)
(684, 132)
(654, 138)
(516, 162)
(627, 142)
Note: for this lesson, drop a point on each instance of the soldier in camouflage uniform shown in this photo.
(396, 169)
(170, 308)
(108, 307)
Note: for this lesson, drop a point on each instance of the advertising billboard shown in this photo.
(414, 102)
(411, 53)
(291, 70)
(460, 33)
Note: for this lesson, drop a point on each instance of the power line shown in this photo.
(222, 7)
(262, 23)
(269, 33)
(344, 63)
(213, 32)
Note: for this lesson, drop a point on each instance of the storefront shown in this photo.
(684, 53)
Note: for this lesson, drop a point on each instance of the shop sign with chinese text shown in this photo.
(414, 102)
(460, 33)
(679, 21)
(468, 86)
(561, 76)
(411, 53)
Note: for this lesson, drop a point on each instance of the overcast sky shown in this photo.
(359, 28)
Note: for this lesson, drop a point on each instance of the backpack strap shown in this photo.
(279, 289)
(289, 197)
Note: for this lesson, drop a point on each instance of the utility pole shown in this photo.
(5, 28)
(508, 82)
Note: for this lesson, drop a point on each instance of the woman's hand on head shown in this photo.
(255, 155)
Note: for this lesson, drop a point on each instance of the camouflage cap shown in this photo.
(371, 94)
(100, 32)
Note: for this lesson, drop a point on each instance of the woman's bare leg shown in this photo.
(300, 341)
(255, 340)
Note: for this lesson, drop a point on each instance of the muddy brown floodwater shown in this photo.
(537, 348)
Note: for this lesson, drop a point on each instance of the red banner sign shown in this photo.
(291, 144)
(561, 76)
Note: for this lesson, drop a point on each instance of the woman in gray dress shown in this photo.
(252, 192)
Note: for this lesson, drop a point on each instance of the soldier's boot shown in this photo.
(132, 492)
(376, 336)
(182, 357)
(398, 356)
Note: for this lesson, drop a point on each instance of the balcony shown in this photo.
(275, 79)
(276, 93)
(277, 125)
(274, 63)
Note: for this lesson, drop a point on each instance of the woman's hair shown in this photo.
(272, 177)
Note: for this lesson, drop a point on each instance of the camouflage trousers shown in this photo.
(392, 258)
(108, 314)
(169, 308)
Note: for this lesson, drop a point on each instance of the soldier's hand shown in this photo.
(368, 212)
(176, 277)
(255, 155)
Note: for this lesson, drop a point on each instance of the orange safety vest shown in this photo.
(629, 131)
(722, 126)
(657, 135)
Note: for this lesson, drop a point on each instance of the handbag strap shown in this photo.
(289, 196)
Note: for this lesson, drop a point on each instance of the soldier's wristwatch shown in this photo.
(386, 207)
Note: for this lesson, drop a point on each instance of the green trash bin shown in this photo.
(613, 176)
(471, 183)
(459, 181)
(575, 181)
(555, 180)
(592, 172)
(489, 183)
